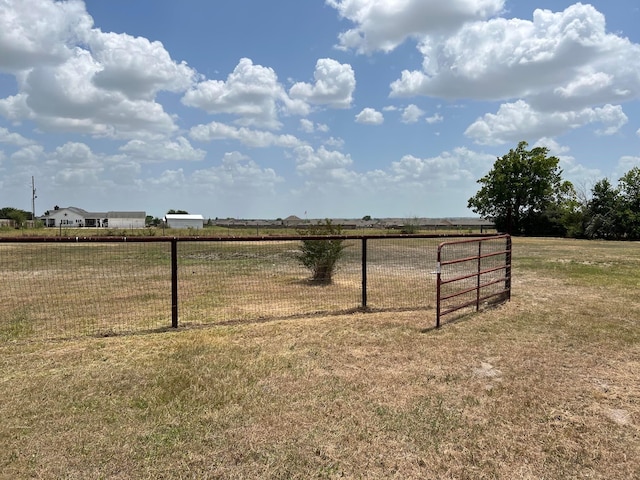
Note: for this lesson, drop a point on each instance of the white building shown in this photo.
(126, 219)
(183, 220)
(74, 217)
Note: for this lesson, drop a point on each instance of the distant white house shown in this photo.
(184, 220)
(74, 217)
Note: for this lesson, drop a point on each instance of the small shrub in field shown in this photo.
(410, 227)
(321, 256)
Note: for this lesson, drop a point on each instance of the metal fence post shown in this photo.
(364, 273)
(478, 282)
(174, 283)
(438, 284)
(507, 282)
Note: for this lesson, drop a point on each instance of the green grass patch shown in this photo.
(19, 325)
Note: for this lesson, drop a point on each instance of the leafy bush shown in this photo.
(411, 226)
(321, 256)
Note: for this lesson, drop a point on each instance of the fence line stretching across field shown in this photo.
(56, 287)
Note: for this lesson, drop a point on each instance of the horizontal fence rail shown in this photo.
(471, 272)
(55, 287)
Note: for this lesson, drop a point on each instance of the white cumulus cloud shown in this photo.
(72, 77)
(29, 155)
(625, 163)
(13, 138)
(179, 150)
(333, 86)
(435, 118)
(36, 32)
(448, 167)
(411, 114)
(136, 66)
(306, 125)
(370, 116)
(324, 165)
(251, 92)
(247, 136)
(237, 173)
(384, 24)
(518, 119)
(76, 164)
(557, 61)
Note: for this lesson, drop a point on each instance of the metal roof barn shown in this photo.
(181, 220)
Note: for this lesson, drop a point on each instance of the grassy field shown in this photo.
(210, 231)
(544, 387)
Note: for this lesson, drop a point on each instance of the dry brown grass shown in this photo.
(543, 387)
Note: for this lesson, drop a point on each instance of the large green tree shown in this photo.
(614, 212)
(15, 214)
(603, 212)
(524, 193)
(630, 203)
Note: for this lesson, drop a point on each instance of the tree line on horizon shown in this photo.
(15, 214)
(524, 194)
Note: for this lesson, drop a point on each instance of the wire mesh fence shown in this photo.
(56, 290)
(221, 281)
(60, 288)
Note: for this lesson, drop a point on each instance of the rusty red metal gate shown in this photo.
(472, 272)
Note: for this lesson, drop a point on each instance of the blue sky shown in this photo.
(316, 108)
